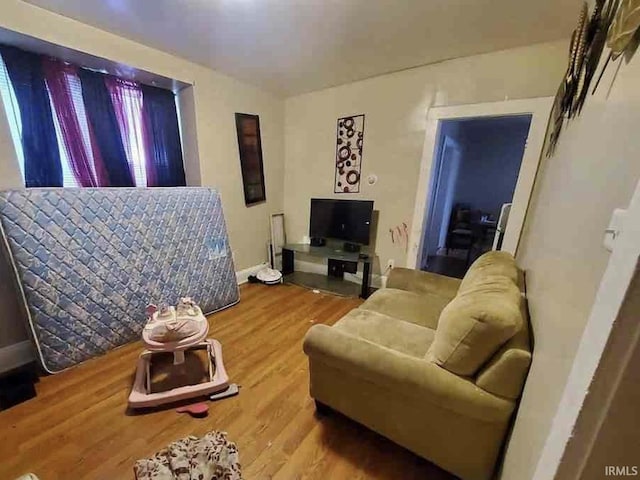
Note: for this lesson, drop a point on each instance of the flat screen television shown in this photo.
(348, 220)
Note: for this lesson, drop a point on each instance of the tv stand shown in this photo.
(351, 247)
(328, 282)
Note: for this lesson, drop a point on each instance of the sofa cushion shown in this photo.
(506, 371)
(387, 331)
(423, 282)
(488, 265)
(420, 308)
(476, 324)
(505, 374)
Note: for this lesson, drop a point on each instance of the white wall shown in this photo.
(606, 432)
(491, 159)
(396, 107)
(593, 171)
(215, 99)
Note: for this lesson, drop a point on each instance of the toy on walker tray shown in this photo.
(179, 362)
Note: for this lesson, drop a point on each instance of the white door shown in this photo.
(442, 199)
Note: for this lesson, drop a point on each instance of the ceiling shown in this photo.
(295, 46)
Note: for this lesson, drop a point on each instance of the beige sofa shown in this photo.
(433, 363)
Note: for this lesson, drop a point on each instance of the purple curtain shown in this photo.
(102, 119)
(127, 103)
(106, 130)
(42, 165)
(56, 73)
(102, 175)
(165, 165)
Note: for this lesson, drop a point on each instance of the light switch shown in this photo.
(613, 231)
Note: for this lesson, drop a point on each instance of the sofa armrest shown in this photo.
(409, 376)
(420, 282)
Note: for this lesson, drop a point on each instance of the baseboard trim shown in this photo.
(16, 355)
(377, 281)
(243, 275)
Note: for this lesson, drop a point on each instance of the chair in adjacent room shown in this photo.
(461, 234)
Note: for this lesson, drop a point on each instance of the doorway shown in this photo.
(475, 171)
(431, 176)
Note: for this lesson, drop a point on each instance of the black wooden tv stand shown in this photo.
(339, 261)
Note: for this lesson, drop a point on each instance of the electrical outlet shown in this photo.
(391, 263)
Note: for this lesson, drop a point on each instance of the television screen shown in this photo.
(348, 220)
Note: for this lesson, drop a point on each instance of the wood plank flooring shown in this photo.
(79, 427)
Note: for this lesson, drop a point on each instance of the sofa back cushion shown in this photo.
(505, 373)
(475, 324)
(490, 264)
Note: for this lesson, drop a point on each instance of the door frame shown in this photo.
(538, 108)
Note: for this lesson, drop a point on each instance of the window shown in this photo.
(10, 103)
(129, 115)
(116, 144)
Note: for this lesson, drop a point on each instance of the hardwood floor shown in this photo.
(79, 427)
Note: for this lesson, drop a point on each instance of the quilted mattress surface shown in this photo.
(88, 261)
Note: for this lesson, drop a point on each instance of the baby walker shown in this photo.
(177, 330)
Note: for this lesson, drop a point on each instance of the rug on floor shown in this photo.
(212, 457)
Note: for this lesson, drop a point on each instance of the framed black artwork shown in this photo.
(250, 148)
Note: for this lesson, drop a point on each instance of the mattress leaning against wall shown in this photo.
(88, 261)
